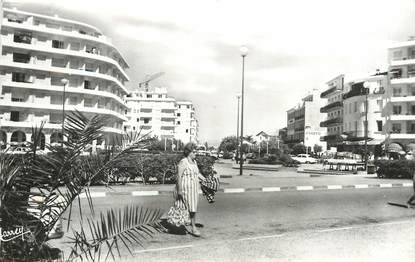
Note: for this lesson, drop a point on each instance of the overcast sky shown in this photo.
(294, 45)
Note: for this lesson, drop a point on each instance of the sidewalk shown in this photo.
(285, 179)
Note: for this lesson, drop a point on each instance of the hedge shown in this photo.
(395, 168)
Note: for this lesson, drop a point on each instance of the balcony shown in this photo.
(329, 91)
(404, 98)
(401, 136)
(405, 117)
(328, 122)
(357, 90)
(333, 105)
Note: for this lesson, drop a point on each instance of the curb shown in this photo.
(255, 189)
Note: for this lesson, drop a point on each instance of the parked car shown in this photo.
(304, 159)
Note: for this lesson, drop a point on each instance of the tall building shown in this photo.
(334, 111)
(363, 98)
(303, 122)
(151, 111)
(187, 126)
(38, 53)
(400, 102)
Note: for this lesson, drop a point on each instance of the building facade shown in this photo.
(334, 112)
(364, 98)
(400, 102)
(151, 111)
(303, 122)
(187, 126)
(47, 61)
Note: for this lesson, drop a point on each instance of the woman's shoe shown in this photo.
(194, 232)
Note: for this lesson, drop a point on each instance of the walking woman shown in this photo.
(186, 193)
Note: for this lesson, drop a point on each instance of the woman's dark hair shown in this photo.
(188, 148)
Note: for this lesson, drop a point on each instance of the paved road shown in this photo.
(341, 225)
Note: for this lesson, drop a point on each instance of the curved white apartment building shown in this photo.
(38, 51)
(400, 119)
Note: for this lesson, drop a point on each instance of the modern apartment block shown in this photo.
(400, 105)
(151, 111)
(47, 61)
(334, 111)
(187, 126)
(303, 122)
(358, 94)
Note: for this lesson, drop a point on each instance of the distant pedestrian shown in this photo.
(411, 200)
(186, 193)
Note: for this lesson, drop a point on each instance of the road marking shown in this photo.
(145, 193)
(407, 184)
(260, 237)
(162, 249)
(335, 229)
(385, 185)
(93, 194)
(361, 186)
(304, 188)
(271, 189)
(234, 190)
(334, 187)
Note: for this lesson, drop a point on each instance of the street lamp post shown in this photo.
(366, 90)
(237, 129)
(244, 53)
(64, 82)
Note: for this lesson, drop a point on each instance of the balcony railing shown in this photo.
(356, 92)
(331, 106)
(329, 91)
(337, 120)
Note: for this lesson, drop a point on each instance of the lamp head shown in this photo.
(244, 51)
(64, 81)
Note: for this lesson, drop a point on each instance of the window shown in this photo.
(14, 116)
(397, 110)
(187, 130)
(57, 44)
(20, 37)
(21, 58)
(396, 128)
(160, 96)
(87, 84)
(149, 96)
(178, 114)
(88, 102)
(379, 124)
(146, 120)
(178, 122)
(41, 57)
(188, 107)
(355, 126)
(138, 119)
(397, 91)
(18, 77)
(73, 100)
(355, 107)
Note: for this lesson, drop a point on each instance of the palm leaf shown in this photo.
(122, 227)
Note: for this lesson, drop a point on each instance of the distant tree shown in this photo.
(228, 144)
(298, 149)
(317, 148)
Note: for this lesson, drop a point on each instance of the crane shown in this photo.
(149, 78)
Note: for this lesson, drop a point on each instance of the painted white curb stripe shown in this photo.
(234, 190)
(161, 249)
(334, 187)
(93, 194)
(361, 186)
(304, 188)
(407, 184)
(271, 189)
(385, 185)
(145, 193)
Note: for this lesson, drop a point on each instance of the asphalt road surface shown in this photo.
(326, 225)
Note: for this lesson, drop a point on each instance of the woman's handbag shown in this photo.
(178, 214)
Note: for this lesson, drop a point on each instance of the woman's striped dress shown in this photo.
(189, 184)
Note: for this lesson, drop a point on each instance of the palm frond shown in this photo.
(115, 229)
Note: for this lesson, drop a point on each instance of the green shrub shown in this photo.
(395, 168)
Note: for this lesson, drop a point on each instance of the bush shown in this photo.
(227, 155)
(395, 168)
(268, 160)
